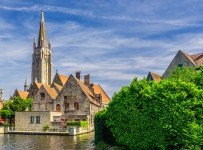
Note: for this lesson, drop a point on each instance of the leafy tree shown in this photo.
(5, 114)
(164, 115)
(17, 104)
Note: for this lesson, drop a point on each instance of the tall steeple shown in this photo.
(42, 32)
(42, 57)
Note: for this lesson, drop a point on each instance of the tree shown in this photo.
(17, 104)
(164, 115)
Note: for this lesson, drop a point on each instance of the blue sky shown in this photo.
(113, 40)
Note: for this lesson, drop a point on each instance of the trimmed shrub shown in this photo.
(77, 123)
(102, 133)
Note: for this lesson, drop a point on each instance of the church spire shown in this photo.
(42, 32)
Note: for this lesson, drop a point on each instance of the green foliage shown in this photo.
(164, 115)
(77, 123)
(17, 104)
(102, 146)
(102, 132)
(5, 114)
(45, 128)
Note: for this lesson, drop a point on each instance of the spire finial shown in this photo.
(26, 81)
(42, 33)
(42, 16)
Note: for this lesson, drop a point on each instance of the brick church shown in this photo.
(65, 98)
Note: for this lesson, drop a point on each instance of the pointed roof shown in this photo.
(21, 94)
(188, 57)
(86, 90)
(153, 76)
(63, 78)
(26, 82)
(98, 90)
(195, 59)
(51, 91)
(42, 32)
(38, 84)
(58, 87)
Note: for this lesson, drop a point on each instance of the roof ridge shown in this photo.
(188, 57)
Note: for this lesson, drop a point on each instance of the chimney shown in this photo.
(77, 74)
(87, 79)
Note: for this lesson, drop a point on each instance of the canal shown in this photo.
(46, 142)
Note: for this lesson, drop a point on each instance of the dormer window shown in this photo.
(180, 65)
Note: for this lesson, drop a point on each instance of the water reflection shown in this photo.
(46, 142)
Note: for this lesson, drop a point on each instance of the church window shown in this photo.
(42, 95)
(180, 65)
(37, 119)
(58, 107)
(76, 105)
(32, 119)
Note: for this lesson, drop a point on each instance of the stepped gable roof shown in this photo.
(87, 91)
(51, 91)
(63, 78)
(154, 76)
(22, 94)
(57, 86)
(98, 90)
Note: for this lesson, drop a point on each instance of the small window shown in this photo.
(77, 119)
(76, 105)
(37, 119)
(32, 119)
(180, 65)
(58, 107)
(42, 95)
(66, 106)
(65, 97)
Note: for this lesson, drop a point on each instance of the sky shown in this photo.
(112, 40)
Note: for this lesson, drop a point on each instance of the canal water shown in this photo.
(46, 142)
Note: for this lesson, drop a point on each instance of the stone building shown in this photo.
(63, 99)
(42, 57)
(180, 59)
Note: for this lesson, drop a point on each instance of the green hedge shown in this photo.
(102, 132)
(77, 123)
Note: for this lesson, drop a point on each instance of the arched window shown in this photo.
(76, 105)
(58, 107)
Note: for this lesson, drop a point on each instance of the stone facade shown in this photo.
(43, 100)
(179, 60)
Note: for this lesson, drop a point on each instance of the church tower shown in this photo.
(41, 57)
